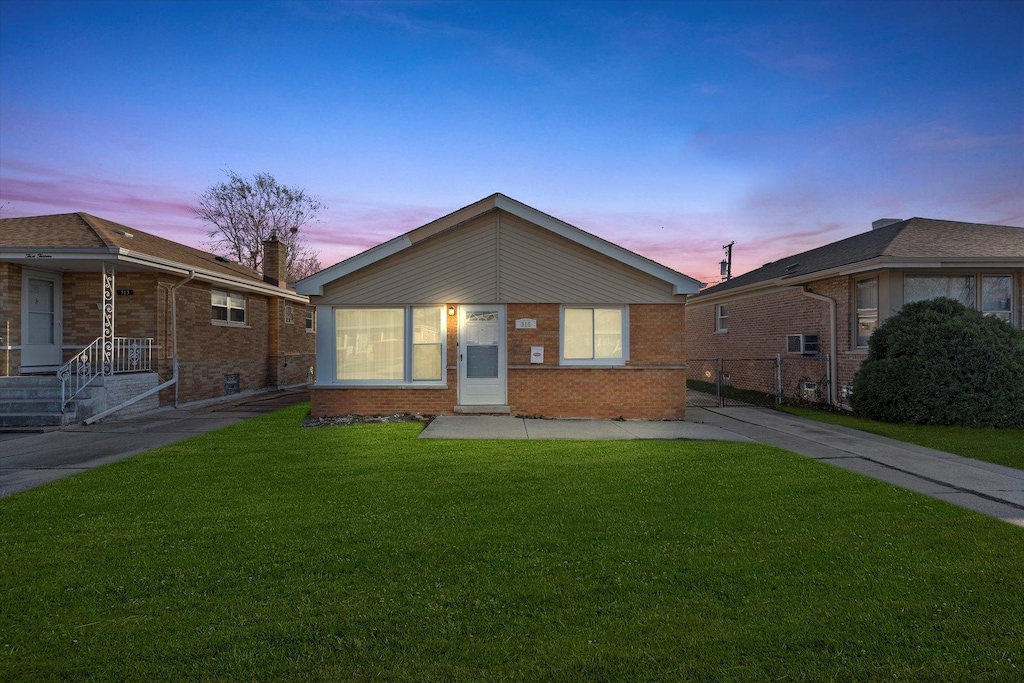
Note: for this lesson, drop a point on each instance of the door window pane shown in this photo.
(370, 344)
(482, 361)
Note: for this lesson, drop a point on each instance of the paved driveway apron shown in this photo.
(28, 460)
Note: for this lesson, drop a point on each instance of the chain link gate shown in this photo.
(722, 382)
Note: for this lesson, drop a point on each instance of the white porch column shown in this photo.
(108, 318)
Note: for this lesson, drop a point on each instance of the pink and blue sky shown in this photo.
(670, 128)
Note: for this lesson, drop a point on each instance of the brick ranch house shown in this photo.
(135, 311)
(500, 308)
(829, 300)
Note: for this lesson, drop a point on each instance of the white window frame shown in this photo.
(289, 315)
(979, 283)
(310, 319)
(721, 318)
(228, 322)
(407, 348)
(865, 313)
(613, 362)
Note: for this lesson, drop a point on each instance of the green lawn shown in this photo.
(265, 551)
(1001, 446)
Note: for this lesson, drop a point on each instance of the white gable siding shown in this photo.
(497, 258)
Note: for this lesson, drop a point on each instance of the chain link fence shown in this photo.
(721, 382)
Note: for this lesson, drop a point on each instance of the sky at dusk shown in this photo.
(670, 128)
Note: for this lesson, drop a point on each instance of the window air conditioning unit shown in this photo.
(807, 344)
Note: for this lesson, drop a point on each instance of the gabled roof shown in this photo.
(69, 235)
(909, 243)
(314, 284)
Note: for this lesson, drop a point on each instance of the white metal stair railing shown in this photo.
(127, 354)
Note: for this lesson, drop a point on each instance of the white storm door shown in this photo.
(482, 358)
(40, 319)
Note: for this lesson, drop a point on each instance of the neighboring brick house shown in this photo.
(836, 295)
(230, 329)
(499, 308)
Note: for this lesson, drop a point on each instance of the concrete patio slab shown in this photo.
(474, 427)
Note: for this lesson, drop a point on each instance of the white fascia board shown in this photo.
(39, 258)
(314, 284)
(682, 284)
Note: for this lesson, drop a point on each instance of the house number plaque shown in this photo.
(125, 292)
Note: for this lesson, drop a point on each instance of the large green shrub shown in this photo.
(939, 362)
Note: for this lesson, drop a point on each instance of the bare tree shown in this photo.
(243, 212)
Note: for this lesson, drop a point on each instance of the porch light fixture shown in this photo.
(451, 310)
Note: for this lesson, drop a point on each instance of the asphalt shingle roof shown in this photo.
(912, 238)
(83, 231)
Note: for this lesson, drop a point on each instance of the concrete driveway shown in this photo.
(28, 460)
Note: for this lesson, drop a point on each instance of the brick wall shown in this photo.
(653, 386)
(10, 318)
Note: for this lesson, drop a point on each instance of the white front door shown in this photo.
(482, 355)
(40, 320)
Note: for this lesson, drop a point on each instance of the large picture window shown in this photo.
(390, 345)
(594, 335)
(228, 308)
(867, 310)
(957, 287)
(990, 294)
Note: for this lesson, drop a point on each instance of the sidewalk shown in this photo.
(28, 460)
(495, 427)
(984, 487)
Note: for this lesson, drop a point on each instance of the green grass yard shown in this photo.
(999, 446)
(266, 551)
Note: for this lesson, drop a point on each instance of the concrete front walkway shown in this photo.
(984, 487)
(28, 460)
(493, 427)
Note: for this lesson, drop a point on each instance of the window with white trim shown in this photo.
(597, 335)
(288, 314)
(396, 345)
(992, 294)
(997, 297)
(867, 310)
(721, 318)
(310, 319)
(227, 308)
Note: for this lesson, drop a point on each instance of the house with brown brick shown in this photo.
(822, 305)
(499, 308)
(108, 314)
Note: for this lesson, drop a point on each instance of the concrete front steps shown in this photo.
(32, 403)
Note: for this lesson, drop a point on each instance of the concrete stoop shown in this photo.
(33, 402)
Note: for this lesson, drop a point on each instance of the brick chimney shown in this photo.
(274, 270)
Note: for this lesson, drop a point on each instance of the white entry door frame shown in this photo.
(482, 355)
(41, 320)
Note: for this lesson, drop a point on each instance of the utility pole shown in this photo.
(726, 264)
